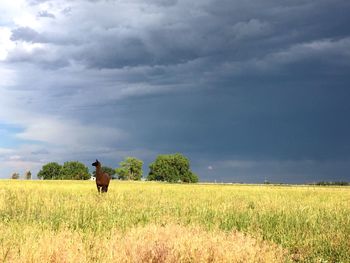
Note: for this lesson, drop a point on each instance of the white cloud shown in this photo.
(21, 158)
(5, 43)
(8, 78)
(15, 157)
(69, 133)
(6, 151)
(10, 9)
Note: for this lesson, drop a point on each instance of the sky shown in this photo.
(247, 90)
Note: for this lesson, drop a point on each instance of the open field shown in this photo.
(67, 221)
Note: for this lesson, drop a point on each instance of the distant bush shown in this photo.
(340, 183)
(15, 176)
(27, 175)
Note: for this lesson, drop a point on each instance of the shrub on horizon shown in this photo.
(15, 176)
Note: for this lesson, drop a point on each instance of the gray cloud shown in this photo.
(26, 34)
(43, 57)
(45, 13)
(226, 32)
(251, 29)
(259, 84)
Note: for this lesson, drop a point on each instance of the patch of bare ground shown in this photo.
(152, 243)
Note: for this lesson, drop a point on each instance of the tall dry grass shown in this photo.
(171, 243)
(311, 223)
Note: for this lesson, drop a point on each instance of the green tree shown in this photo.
(189, 177)
(50, 171)
(106, 169)
(171, 168)
(130, 169)
(122, 173)
(74, 170)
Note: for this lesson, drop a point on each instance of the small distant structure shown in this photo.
(93, 178)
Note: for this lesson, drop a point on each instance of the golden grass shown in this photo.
(311, 223)
(171, 243)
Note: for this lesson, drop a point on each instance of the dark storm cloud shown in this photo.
(249, 87)
(293, 123)
(227, 32)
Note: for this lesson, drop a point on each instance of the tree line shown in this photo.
(168, 168)
(336, 183)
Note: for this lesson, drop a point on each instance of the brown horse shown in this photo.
(102, 179)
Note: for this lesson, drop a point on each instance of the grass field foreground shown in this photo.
(67, 221)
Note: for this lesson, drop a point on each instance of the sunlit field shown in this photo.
(68, 221)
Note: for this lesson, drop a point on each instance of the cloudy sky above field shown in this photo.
(247, 90)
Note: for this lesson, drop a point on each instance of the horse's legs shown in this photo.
(98, 188)
(104, 189)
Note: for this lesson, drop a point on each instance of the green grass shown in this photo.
(312, 222)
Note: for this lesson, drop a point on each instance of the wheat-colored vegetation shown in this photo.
(67, 221)
(170, 243)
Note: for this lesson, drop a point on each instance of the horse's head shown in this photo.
(97, 163)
